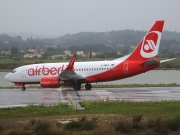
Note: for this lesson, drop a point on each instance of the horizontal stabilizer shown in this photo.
(151, 61)
(162, 61)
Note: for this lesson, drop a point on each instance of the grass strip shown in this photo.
(149, 109)
(110, 117)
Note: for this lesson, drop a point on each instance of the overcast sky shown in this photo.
(59, 17)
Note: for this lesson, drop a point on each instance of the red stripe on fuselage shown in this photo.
(131, 68)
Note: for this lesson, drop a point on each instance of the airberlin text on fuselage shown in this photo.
(45, 70)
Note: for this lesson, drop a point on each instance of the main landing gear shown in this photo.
(77, 86)
(88, 86)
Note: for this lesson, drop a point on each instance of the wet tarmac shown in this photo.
(16, 97)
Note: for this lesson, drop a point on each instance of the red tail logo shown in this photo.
(150, 44)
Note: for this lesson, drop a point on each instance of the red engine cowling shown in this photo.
(50, 82)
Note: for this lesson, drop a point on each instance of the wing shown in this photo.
(68, 73)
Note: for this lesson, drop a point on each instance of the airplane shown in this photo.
(55, 75)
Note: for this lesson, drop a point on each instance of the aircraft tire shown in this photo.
(88, 86)
(23, 88)
(77, 87)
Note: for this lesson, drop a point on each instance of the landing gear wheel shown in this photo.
(77, 86)
(88, 86)
(23, 88)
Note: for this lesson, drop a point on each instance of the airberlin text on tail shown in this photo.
(149, 45)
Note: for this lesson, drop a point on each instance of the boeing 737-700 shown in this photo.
(54, 75)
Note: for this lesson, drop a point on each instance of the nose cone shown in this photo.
(7, 77)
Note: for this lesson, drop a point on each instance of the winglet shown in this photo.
(71, 63)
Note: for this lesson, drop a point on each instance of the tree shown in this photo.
(125, 50)
(19, 38)
(90, 54)
(172, 55)
(46, 55)
(27, 50)
(165, 51)
(14, 52)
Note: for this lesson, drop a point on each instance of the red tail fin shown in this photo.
(149, 45)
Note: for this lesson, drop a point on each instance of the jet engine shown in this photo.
(50, 82)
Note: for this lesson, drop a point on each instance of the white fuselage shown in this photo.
(34, 73)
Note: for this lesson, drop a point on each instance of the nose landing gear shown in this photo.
(23, 88)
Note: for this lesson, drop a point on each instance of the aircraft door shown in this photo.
(126, 68)
(23, 72)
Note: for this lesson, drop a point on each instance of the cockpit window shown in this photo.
(13, 71)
